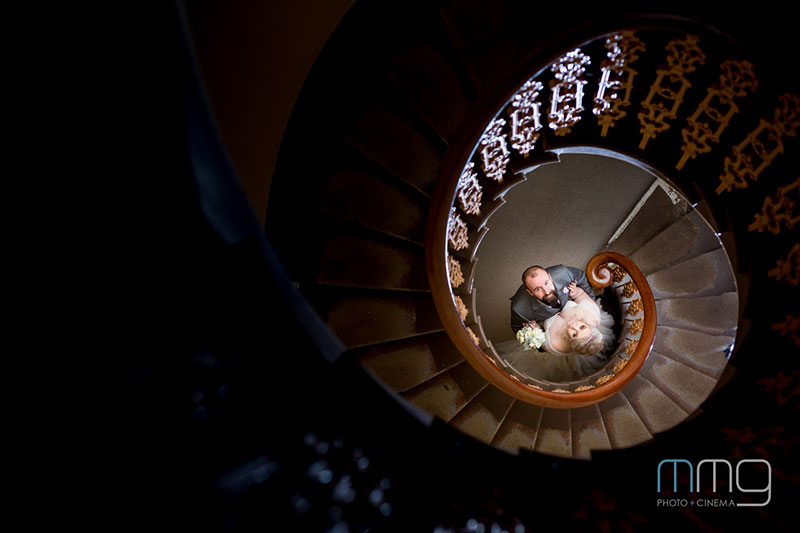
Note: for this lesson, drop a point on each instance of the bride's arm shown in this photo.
(579, 295)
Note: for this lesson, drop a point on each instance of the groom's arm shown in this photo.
(580, 278)
(517, 322)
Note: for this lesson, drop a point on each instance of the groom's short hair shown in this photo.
(529, 270)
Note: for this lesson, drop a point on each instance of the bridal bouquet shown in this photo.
(530, 337)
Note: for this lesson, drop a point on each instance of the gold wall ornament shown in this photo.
(537, 387)
(469, 191)
(616, 79)
(629, 289)
(603, 379)
(631, 347)
(717, 109)
(566, 91)
(584, 387)
(618, 272)
(790, 327)
(777, 211)
(761, 146)
(525, 115)
(494, 154)
(619, 365)
(667, 92)
(457, 232)
(788, 269)
(635, 307)
(781, 384)
(462, 309)
(562, 391)
(637, 326)
(454, 271)
(478, 342)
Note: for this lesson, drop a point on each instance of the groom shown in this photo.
(542, 295)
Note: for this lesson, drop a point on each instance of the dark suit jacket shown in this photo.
(525, 307)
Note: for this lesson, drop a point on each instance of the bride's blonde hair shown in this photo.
(589, 345)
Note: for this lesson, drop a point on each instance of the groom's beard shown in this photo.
(551, 298)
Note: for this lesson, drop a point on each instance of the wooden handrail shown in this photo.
(598, 273)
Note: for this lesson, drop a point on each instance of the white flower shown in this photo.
(531, 337)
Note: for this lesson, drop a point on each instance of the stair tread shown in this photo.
(715, 315)
(555, 433)
(685, 385)
(623, 425)
(446, 394)
(687, 237)
(371, 261)
(484, 414)
(391, 141)
(657, 411)
(703, 352)
(429, 81)
(376, 203)
(359, 318)
(588, 432)
(707, 274)
(519, 429)
(656, 214)
(402, 365)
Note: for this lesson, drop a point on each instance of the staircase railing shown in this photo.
(602, 270)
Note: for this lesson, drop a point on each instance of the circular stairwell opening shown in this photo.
(567, 211)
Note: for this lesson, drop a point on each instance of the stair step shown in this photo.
(707, 274)
(359, 318)
(588, 432)
(376, 203)
(373, 262)
(402, 365)
(433, 86)
(688, 237)
(656, 214)
(715, 315)
(701, 351)
(392, 142)
(555, 433)
(657, 411)
(685, 385)
(446, 394)
(484, 415)
(518, 431)
(623, 425)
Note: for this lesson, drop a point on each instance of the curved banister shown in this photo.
(512, 386)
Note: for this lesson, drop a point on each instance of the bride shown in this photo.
(577, 340)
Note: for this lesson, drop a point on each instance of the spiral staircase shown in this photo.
(349, 222)
(369, 163)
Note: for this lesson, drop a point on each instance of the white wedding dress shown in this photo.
(553, 365)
